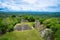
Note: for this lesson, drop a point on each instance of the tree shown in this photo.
(3, 27)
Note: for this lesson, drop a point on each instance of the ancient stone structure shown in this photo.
(37, 24)
(19, 27)
(26, 27)
(47, 34)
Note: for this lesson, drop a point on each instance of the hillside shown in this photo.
(21, 35)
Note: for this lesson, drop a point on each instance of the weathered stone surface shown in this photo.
(22, 27)
(37, 24)
(47, 34)
(18, 27)
(26, 27)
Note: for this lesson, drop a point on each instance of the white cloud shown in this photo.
(29, 5)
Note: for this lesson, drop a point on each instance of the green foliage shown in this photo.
(57, 35)
(8, 23)
(28, 17)
(3, 26)
(11, 22)
(41, 19)
(54, 24)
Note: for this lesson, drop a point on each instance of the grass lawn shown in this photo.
(21, 35)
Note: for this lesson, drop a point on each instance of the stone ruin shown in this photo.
(37, 24)
(19, 27)
(45, 33)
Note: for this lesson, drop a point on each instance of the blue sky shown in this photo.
(30, 5)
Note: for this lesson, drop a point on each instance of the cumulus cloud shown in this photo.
(30, 5)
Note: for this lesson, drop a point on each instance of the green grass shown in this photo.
(21, 35)
(29, 23)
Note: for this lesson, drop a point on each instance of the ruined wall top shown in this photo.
(22, 20)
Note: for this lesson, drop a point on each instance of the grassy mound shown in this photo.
(21, 35)
(29, 23)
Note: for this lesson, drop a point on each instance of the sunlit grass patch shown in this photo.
(21, 35)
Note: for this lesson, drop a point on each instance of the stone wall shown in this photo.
(22, 27)
(37, 24)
